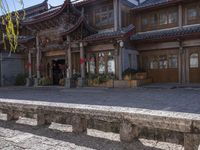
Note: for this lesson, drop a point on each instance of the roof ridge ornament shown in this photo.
(45, 1)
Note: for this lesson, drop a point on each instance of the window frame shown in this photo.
(190, 57)
(192, 20)
(157, 23)
(100, 14)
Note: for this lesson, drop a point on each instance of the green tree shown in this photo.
(10, 24)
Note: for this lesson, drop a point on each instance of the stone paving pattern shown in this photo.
(179, 100)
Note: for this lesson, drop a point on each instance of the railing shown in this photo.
(130, 123)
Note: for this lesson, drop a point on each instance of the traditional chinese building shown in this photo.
(167, 38)
(106, 37)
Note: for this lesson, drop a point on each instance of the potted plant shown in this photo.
(128, 74)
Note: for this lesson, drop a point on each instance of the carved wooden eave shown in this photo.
(53, 47)
(81, 23)
(122, 34)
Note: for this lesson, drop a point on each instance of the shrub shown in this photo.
(62, 82)
(129, 71)
(20, 80)
(45, 81)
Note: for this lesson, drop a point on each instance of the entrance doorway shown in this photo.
(58, 70)
(194, 66)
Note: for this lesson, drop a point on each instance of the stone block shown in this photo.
(121, 84)
(79, 124)
(29, 82)
(69, 83)
(36, 82)
(81, 82)
(191, 141)
(13, 115)
(128, 132)
(42, 119)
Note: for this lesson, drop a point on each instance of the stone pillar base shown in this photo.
(29, 82)
(191, 141)
(81, 82)
(79, 125)
(43, 120)
(128, 132)
(13, 116)
(36, 82)
(69, 83)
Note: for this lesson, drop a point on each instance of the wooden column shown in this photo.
(29, 65)
(187, 66)
(183, 66)
(180, 15)
(69, 58)
(116, 14)
(82, 60)
(37, 57)
(120, 62)
(1, 69)
(119, 14)
(180, 64)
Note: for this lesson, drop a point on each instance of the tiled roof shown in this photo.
(108, 35)
(85, 2)
(51, 13)
(153, 3)
(22, 39)
(167, 33)
(128, 3)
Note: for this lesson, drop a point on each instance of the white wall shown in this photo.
(12, 65)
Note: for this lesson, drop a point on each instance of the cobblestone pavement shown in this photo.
(180, 99)
(25, 136)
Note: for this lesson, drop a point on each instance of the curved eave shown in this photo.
(84, 2)
(116, 36)
(78, 23)
(22, 40)
(47, 16)
(169, 38)
(121, 36)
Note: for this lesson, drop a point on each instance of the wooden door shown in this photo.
(161, 66)
(194, 65)
(76, 63)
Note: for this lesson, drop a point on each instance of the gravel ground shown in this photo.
(26, 136)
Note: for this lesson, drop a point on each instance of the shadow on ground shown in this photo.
(86, 141)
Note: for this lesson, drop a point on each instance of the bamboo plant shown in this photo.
(10, 24)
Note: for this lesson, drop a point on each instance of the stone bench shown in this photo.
(129, 121)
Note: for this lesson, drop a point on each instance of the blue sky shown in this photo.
(29, 3)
